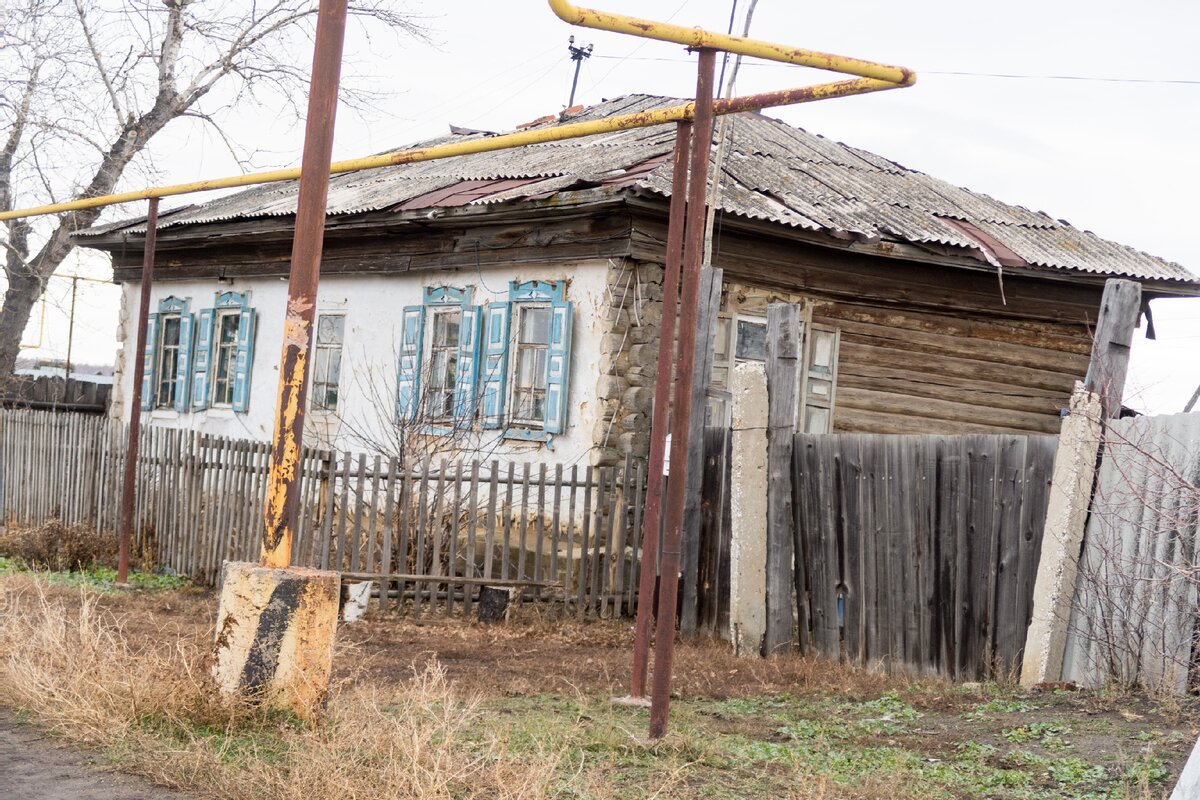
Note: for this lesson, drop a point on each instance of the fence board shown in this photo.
(919, 550)
(418, 529)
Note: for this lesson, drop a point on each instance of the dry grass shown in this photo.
(72, 667)
(128, 672)
(59, 547)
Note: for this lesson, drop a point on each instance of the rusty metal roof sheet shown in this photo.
(772, 171)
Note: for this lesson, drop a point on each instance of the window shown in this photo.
(167, 358)
(168, 361)
(224, 353)
(327, 360)
(745, 338)
(532, 351)
(529, 339)
(225, 357)
(444, 346)
(437, 372)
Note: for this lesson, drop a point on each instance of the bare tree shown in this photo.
(86, 84)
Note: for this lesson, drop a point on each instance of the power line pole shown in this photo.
(578, 54)
(71, 325)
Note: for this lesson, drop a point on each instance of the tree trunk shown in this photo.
(19, 298)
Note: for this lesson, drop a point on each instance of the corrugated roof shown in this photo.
(772, 172)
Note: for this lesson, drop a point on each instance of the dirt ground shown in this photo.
(746, 727)
(36, 766)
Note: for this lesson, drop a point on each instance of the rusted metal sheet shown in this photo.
(773, 172)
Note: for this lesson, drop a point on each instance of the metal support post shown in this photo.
(662, 402)
(664, 640)
(283, 483)
(129, 479)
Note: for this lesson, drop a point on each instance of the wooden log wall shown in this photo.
(926, 348)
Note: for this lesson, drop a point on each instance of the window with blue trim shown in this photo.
(506, 363)
(437, 373)
(167, 371)
(224, 353)
(527, 360)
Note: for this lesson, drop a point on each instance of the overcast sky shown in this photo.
(1111, 149)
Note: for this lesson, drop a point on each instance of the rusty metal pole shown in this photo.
(693, 254)
(662, 401)
(135, 407)
(283, 483)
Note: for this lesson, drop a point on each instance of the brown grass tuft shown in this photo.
(72, 666)
(58, 547)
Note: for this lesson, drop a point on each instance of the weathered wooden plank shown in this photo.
(1012, 474)
(702, 357)
(1120, 307)
(540, 530)
(783, 371)
(849, 480)
(389, 531)
(455, 513)
(470, 569)
(583, 587)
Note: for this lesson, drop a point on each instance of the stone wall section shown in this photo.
(628, 360)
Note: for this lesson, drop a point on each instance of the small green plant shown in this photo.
(1074, 771)
(1048, 734)
(999, 705)
(1147, 769)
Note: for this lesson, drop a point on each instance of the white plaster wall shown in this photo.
(372, 306)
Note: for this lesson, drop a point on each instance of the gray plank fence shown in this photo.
(919, 550)
(428, 533)
(1135, 611)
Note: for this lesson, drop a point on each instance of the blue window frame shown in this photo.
(224, 355)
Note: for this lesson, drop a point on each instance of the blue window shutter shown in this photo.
(495, 363)
(408, 368)
(202, 359)
(467, 377)
(243, 361)
(558, 366)
(150, 362)
(183, 368)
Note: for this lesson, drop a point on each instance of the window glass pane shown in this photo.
(535, 326)
(816, 420)
(229, 328)
(171, 331)
(445, 330)
(329, 329)
(822, 350)
(721, 345)
(751, 341)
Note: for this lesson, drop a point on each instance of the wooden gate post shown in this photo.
(783, 375)
(1119, 310)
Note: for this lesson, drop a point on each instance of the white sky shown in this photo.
(1117, 158)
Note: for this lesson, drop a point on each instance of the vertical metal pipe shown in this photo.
(283, 483)
(71, 329)
(135, 406)
(693, 254)
(662, 401)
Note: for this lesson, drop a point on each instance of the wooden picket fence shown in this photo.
(428, 534)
